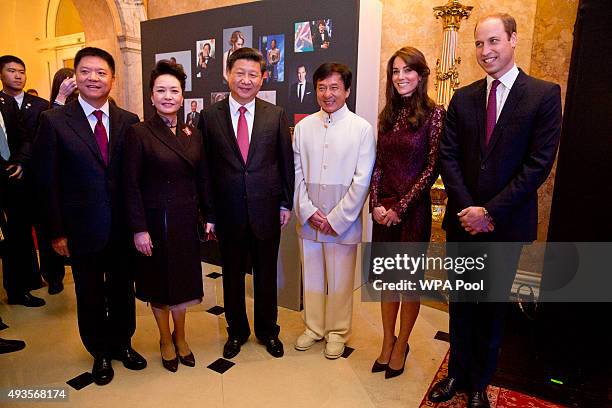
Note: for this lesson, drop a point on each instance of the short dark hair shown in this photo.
(246, 53)
(507, 20)
(166, 67)
(7, 59)
(94, 52)
(328, 68)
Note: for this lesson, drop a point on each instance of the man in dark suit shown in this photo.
(302, 94)
(193, 117)
(249, 195)
(320, 37)
(13, 75)
(79, 149)
(500, 141)
(19, 277)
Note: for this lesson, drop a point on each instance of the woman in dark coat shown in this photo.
(409, 129)
(161, 175)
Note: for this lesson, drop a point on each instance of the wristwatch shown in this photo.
(488, 216)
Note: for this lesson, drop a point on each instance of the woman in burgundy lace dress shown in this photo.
(409, 132)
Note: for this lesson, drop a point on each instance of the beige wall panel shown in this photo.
(162, 8)
(550, 60)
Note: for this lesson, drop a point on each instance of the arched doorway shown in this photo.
(113, 25)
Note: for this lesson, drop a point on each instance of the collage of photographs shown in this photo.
(204, 64)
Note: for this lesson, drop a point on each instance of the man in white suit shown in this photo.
(334, 155)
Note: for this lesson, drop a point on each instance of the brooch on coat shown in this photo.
(187, 131)
(28, 105)
(1, 100)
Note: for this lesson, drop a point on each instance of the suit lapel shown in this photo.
(480, 107)
(227, 128)
(77, 120)
(258, 126)
(25, 102)
(116, 128)
(512, 101)
(164, 135)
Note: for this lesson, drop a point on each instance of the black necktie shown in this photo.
(300, 92)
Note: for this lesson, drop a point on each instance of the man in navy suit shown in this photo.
(193, 117)
(302, 95)
(79, 148)
(14, 78)
(22, 273)
(249, 195)
(501, 138)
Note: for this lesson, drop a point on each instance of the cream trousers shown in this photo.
(328, 272)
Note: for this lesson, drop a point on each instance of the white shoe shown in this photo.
(334, 349)
(304, 342)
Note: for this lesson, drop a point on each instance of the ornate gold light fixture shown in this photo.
(447, 80)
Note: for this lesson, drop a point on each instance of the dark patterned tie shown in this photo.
(101, 136)
(491, 110)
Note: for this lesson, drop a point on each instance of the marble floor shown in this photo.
(54, 355)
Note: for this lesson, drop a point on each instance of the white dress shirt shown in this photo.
(91, 118)
(235, 114)
(300, 92)
(19, 99)
(503, 89)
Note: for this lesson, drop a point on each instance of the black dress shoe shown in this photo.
(478, 399)
(274, 347)
(27, 300)
(444, 390)
(232, 347)
(55, 288)
(130, 358)
(8, 346)
(391, 372)
(102, 371)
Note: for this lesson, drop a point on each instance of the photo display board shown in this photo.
(294, 36)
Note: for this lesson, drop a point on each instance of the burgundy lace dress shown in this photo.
(406, 168)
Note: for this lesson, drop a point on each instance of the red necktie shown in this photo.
(243, 134)
(491, 110)
(100, 135)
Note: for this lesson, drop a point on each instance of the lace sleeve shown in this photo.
(376, 178)
(430, 172)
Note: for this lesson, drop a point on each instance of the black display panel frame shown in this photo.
(271, 17)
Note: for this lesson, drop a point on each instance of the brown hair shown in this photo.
(236, 35)
(58, 78)
(507, 20)
(419, 103)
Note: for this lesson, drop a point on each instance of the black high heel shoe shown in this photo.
(188, 360)
(380, 367)
(170, 365)
(390, 372)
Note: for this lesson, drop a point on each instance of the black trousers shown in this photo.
(105, 298)
(20, 264)
(236, 251)
(477, 321)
